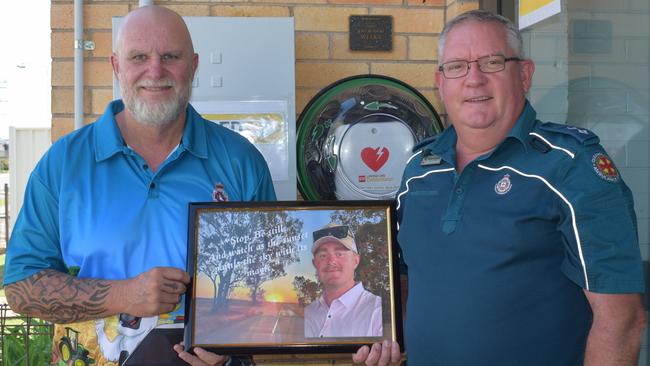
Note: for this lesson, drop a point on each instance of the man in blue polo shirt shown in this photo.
(111, 199)
(520, 236)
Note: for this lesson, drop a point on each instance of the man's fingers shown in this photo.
(384, 357)
(162, 298)
(173, 280)
(173, 287)
(166, 279)
(395, 352)
(361, 354)
(202, 358)
(210, 358)
(188, 357)
(175, 274)
(155, 303)
(156, 291)
(375, 353)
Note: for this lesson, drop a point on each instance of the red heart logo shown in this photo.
(374, 158)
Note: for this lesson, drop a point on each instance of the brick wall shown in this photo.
(322, 51)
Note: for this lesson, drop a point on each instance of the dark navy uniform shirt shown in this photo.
(499, 255)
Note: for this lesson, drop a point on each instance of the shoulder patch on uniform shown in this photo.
(583, 135)
(604, 167)
(425, 142)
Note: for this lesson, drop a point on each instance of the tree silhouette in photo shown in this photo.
(307, 290)
(279, 250)
(244, 249)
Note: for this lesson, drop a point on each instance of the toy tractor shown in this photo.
(73, 353)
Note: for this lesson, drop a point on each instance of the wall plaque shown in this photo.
(371, 32)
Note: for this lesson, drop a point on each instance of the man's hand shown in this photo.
(202, 358)
(154, 292)
(380, 354)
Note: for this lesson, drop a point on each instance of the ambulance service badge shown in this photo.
(604, 167)
(503, 186)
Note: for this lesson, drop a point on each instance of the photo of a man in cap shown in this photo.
(345, 308)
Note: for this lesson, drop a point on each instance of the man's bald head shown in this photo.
(152, 17)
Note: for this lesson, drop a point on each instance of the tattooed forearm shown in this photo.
(59, 297)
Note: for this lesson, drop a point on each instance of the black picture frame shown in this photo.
(252, 275)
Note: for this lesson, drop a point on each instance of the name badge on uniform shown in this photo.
(431, 159)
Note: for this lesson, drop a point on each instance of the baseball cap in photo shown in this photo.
(334, 232)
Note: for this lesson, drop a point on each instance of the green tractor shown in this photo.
(73, 353)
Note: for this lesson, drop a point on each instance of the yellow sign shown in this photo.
(529, 6)
(258, 128)
(533, 11)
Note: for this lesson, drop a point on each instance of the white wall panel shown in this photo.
(26, 146)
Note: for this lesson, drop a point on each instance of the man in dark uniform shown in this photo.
(520, 236)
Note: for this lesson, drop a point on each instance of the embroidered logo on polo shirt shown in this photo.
(219, 194)
(503, 186)
(604, 167)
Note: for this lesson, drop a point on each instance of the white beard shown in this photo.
(155, 113)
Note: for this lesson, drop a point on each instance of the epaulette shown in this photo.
(583, 135)
(425, 142)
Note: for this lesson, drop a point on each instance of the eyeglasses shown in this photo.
(339, 232)
(487, 64)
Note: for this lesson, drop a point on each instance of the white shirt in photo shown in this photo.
(357, 313)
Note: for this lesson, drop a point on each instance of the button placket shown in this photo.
(453, 214)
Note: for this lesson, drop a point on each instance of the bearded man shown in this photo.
(110, 200)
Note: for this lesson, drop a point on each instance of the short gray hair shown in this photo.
(513, 36)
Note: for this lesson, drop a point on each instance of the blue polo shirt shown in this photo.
(93, 202)
(499, 255)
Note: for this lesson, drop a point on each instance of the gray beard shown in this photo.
(155, 114)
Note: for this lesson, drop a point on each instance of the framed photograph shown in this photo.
(292, 277)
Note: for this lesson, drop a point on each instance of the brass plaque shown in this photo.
(371, 32)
